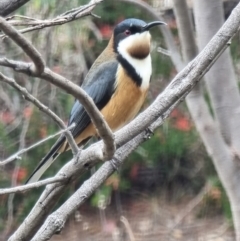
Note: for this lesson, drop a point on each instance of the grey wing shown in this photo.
(100, 88)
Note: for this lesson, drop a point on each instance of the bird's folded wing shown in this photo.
(100, 87)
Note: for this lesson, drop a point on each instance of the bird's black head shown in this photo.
(132, 35)
(128, 27)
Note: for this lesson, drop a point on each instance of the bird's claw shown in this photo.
(115, 165)
(148, 133)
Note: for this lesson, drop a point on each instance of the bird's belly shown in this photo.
(124, 105)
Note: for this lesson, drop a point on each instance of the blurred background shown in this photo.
(168, 188)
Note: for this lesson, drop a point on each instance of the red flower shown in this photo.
(106, 31)
(27, 112)
(21, 174)
(6, 117)
(180, 121)
(134, 171)
(183, 124)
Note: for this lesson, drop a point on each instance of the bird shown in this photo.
(118, 82)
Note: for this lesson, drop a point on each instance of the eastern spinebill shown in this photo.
(117, 82)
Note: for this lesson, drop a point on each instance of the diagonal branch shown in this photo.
(17, 155)
(8, 6)
(26, 187)
(28, 68)
(42, 108)
(180, 85)
(25, 45)
(56, 220)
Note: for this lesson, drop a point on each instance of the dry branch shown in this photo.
(31, 69)
(56, 220)
(17, 155)
(8, 6)
(63, 18)
(25, 45)
(181, 84)
(42, 108)
(29, 186)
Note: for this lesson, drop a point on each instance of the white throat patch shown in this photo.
(143, 67)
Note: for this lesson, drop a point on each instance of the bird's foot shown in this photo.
(115, 164)
(148, 133)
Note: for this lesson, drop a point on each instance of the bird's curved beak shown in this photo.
(152, 24)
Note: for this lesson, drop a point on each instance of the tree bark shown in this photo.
(225, 99)
(212, 137)
(8, 6)
(221, 79)
(176, 90)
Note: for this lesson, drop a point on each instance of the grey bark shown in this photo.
(8, 6)
(207, 127)
(221, 79)
(180, 86)
(225, 99)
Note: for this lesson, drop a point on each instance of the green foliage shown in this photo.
(118, 11)
(173, 159)
(170, 152)
(104, 192)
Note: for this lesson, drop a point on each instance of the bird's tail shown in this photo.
(46, 161)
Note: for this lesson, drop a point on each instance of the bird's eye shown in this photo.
(127, 32)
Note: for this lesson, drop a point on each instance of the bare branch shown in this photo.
(103, 129)
(27, 187)
(17, 155)
(181, 84)
(189, 207)
(56, 220)
(186, 33)
(8, 6)
(26, 46)
(66, 17)
(44, 109)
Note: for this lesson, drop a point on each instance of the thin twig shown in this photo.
(104, 130)
(19, 16)
(19, 153)
(189, 207)
(17, 165)
(22, 143)
(63, 18)
(26, 46)
(128, 228)
(43, 108)
(188, 77)
(108, 168)
(29, 186)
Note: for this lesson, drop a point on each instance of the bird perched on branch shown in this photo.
(117, 82)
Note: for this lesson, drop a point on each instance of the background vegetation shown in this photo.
(172, 165)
